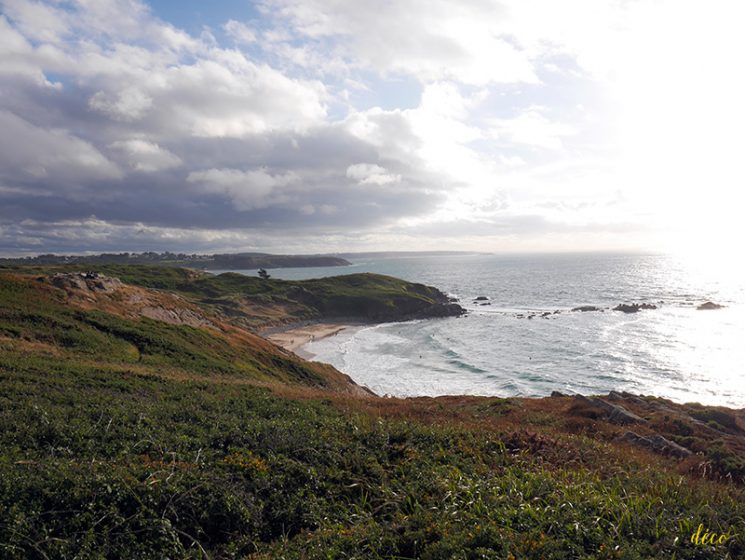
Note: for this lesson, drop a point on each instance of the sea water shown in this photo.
(675, 351)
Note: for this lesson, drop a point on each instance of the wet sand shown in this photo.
(295, 338)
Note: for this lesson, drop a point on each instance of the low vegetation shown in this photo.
(129, 437)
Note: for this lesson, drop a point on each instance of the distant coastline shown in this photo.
(218, 261)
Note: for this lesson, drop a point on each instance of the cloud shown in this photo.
(369, 173)
(326, 119)
(240, 32)
(230, 96)
(247, 190)
(531, 128)
(435, 40)
(145, 156)
(30, 153)
(128, 105)
(96, 235)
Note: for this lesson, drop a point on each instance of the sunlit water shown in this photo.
(675, 351)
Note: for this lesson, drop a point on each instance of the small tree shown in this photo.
(264, 274)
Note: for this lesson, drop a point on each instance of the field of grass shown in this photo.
(125, 438)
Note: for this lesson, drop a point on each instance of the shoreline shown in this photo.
(296, 337)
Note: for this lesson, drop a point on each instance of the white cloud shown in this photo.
(230, 96)
(128, 105)
(137, 67)
(433, 40)
(247, 190)
(18, 57)
(434, 140)
(38, 21)
(145, 156)
(531, 128)
(371, 174)
(240, 32)
(29, 151)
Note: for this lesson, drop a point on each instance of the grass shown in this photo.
(105, 464)
(124, 438)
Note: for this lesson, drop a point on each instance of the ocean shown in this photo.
(675, 351)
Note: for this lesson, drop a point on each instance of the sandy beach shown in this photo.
(294, 339)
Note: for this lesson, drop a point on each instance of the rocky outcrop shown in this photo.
(658, 444)
(613, 413)
(86, 281)
(709, 305)
(106, 293)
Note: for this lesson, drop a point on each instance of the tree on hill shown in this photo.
(264, 274)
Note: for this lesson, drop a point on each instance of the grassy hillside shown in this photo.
(129, 437)
(254, 302)
(42, 326)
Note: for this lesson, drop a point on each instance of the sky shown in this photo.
(306, 126)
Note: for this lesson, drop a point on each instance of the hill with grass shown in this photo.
(254, 302)
(142, 417)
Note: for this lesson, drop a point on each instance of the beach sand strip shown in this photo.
(294, 339)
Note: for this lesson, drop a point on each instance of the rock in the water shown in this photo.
(634, 307)
(658, 444)
(709, 305)
(481, 298)
(585, 308)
